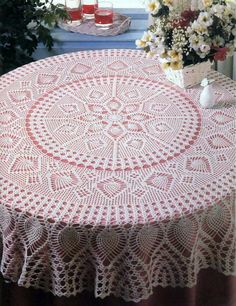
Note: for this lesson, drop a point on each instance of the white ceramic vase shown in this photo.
(207, 97)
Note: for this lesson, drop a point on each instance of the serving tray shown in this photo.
(121, 24)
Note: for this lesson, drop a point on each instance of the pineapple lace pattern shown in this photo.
(113, 179)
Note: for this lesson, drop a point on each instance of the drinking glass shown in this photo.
(89, 7)
(104, 15)
(74, 9)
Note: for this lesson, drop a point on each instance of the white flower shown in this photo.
(201, 55)
(218, 10)
(231, 4)
(148, 36)
(159, 32)
(189, 31)
(195, 41)
(140, 43)
(234, 31)
(158, 42)
(231, 49)
(205, 19)
(205, 48)
(153, 51)
(179, 39)
(218, 41)
(213, 27)
(169, 3)
(228, 28)
(229, 13)
(175, 56)
(207, 3)
(146, 40)
(199, 28)
(153, 6)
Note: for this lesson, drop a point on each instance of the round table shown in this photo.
(113, 179)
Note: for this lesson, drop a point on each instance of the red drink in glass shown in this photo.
(89, 8)
(75, 14)
(74, 10)
(103, 18)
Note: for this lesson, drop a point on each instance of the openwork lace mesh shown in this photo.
(113, 179)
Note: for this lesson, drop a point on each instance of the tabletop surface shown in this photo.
(95, 131)
(102, 139)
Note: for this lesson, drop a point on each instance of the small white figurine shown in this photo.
(207, 97)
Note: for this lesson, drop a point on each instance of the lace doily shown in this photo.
(113, 179)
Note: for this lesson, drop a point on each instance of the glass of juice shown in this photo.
(89, 7)
(74, 9)
(104, 15)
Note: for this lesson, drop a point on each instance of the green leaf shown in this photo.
(17, 40)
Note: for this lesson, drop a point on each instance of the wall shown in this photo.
(119, 3)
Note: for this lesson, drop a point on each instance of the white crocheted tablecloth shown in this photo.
(113, 179)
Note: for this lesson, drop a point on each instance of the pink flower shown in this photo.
(220, 54)
(187, 16)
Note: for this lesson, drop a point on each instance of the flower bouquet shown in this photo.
(188, 40)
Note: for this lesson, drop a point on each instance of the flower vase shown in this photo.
(188, 76)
